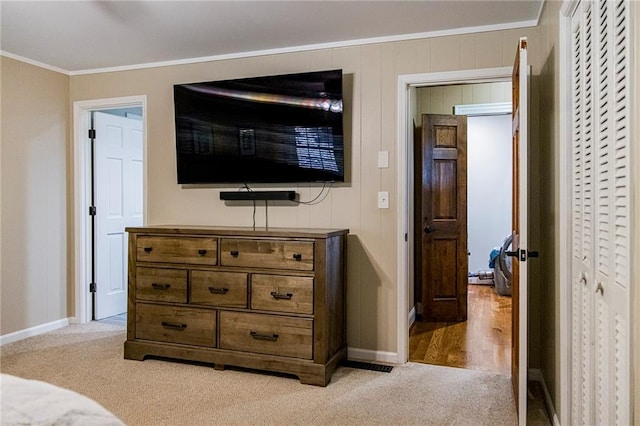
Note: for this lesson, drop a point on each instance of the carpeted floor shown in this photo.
(89, 359)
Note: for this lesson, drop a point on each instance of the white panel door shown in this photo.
(118, 190)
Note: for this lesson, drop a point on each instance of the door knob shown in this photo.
(600, 289)
(429, 229)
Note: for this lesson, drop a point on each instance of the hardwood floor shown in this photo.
(483, 342)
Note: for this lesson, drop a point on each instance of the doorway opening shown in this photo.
(109, 195)
(483, 340)
(407, 86)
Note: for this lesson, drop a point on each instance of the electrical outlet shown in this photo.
(383, 200)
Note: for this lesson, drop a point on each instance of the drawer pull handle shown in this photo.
(148, 249)
(214, 290)
(158, 286)
(202, 252)
(234, 253)
(297, 256)
(174, 326)
(277, 295)
(270, 338)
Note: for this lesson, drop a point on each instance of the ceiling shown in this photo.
(83, 36)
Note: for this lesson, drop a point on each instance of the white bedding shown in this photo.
(31, 402)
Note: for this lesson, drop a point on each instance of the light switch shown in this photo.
(383, 200)
(383, 159)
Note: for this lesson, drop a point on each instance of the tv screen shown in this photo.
(273, 129)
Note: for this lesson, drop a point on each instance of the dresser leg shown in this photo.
(314, 379)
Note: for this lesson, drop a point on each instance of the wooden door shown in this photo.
(444, 218)
(519, 286)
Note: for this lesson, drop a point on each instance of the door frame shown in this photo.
(404, 179)
(82, 192)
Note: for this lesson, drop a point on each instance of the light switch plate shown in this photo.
(383, 200)
(383, 159)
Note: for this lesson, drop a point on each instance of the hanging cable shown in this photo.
(317, 199)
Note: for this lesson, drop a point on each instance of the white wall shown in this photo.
(489, 184)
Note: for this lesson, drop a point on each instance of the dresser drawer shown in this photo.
(213, 288)
(159, 284)
(282, 294)
(267, 334)
(174, 324)
(194, 250)
(279, 254)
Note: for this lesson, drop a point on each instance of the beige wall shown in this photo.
(34, 135)
(548, 290)
(371, 92)
(442, 99)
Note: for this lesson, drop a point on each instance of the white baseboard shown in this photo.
(536, 374)
(33, 331)
(369, 355)
(412, 316)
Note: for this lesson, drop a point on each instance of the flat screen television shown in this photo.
(272, 129)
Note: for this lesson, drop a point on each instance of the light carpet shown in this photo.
(89, 359)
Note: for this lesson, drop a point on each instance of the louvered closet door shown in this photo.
(600, 214)
(582, 215)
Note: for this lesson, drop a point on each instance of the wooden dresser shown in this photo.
(270, 300)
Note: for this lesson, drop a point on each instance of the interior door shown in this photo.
(519, 368)
(444, 217)
(118, 188)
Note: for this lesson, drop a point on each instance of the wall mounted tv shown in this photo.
(272, 129)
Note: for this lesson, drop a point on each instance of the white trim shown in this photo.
(568, 8)
(480, 75)
(564, 215)
(540, 12)
(634, 152)
(33, 331)
(32, 62)
(369, 355)
(474, 110)
(318, 46)
(536, 375)
(404, 156)
(81, 191)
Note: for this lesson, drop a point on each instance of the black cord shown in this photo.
(254, 214)
(322, 195)
(317, 199)
(246, 186)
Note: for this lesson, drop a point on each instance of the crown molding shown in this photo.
(32, 62)
(292, 49)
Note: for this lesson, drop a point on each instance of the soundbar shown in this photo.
(257, 195)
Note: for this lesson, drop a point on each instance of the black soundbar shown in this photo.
(257, 195)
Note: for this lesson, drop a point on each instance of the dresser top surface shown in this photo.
(237, 231)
